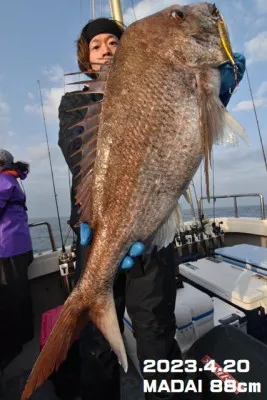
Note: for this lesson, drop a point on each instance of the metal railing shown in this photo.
(51, 237)
(234, 196)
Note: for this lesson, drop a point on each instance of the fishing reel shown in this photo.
(216, 229)
(219, 233)
(67, 266)
(215, 235)
(199, 239)
(186, 242)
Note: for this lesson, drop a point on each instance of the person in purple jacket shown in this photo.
(16, 254)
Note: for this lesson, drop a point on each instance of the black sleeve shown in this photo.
(66, 139)
(66, 135)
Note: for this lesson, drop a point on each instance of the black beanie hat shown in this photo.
(101, 25)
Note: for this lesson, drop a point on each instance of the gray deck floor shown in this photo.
(131, 387)
(46, 295)
(16, 373)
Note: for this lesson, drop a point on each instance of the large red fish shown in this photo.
(160, 116)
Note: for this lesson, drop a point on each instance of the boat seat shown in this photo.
(245, 256)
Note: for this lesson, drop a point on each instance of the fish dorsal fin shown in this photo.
(94, 86)
(217, 125)
(88, 142)
(87, 150)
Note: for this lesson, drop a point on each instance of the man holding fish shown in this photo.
(132, 157)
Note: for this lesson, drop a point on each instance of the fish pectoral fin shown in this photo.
(105, 318)
(166, 232)
(232, 130)
(67, 328)
(187, 195)
(216, 124)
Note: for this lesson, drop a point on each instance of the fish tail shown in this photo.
(68, 326)
(105, 318)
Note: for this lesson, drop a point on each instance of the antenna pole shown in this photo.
(93, 8)
(116, 10)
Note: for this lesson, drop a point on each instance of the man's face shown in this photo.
(102, 48)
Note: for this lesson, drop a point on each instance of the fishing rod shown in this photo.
(257, 120)
(132, 2)
(51, 169)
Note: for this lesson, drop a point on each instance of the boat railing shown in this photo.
(235, 197)
(51, 236)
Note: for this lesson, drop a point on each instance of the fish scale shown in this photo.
(151, 129)
(155, 127)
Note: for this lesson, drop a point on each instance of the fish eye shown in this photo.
(178, 14)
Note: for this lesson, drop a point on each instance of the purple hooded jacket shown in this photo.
(14, 230)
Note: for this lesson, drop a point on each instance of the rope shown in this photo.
(257, 121)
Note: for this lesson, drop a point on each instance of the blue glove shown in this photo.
(135, 251)
(137, 248)
(86, 234)
(228, 83)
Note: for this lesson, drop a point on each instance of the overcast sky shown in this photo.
(37, 43)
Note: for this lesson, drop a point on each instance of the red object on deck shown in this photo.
(48, 320)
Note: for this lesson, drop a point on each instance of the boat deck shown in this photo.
(47, 294)
(131, 387)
